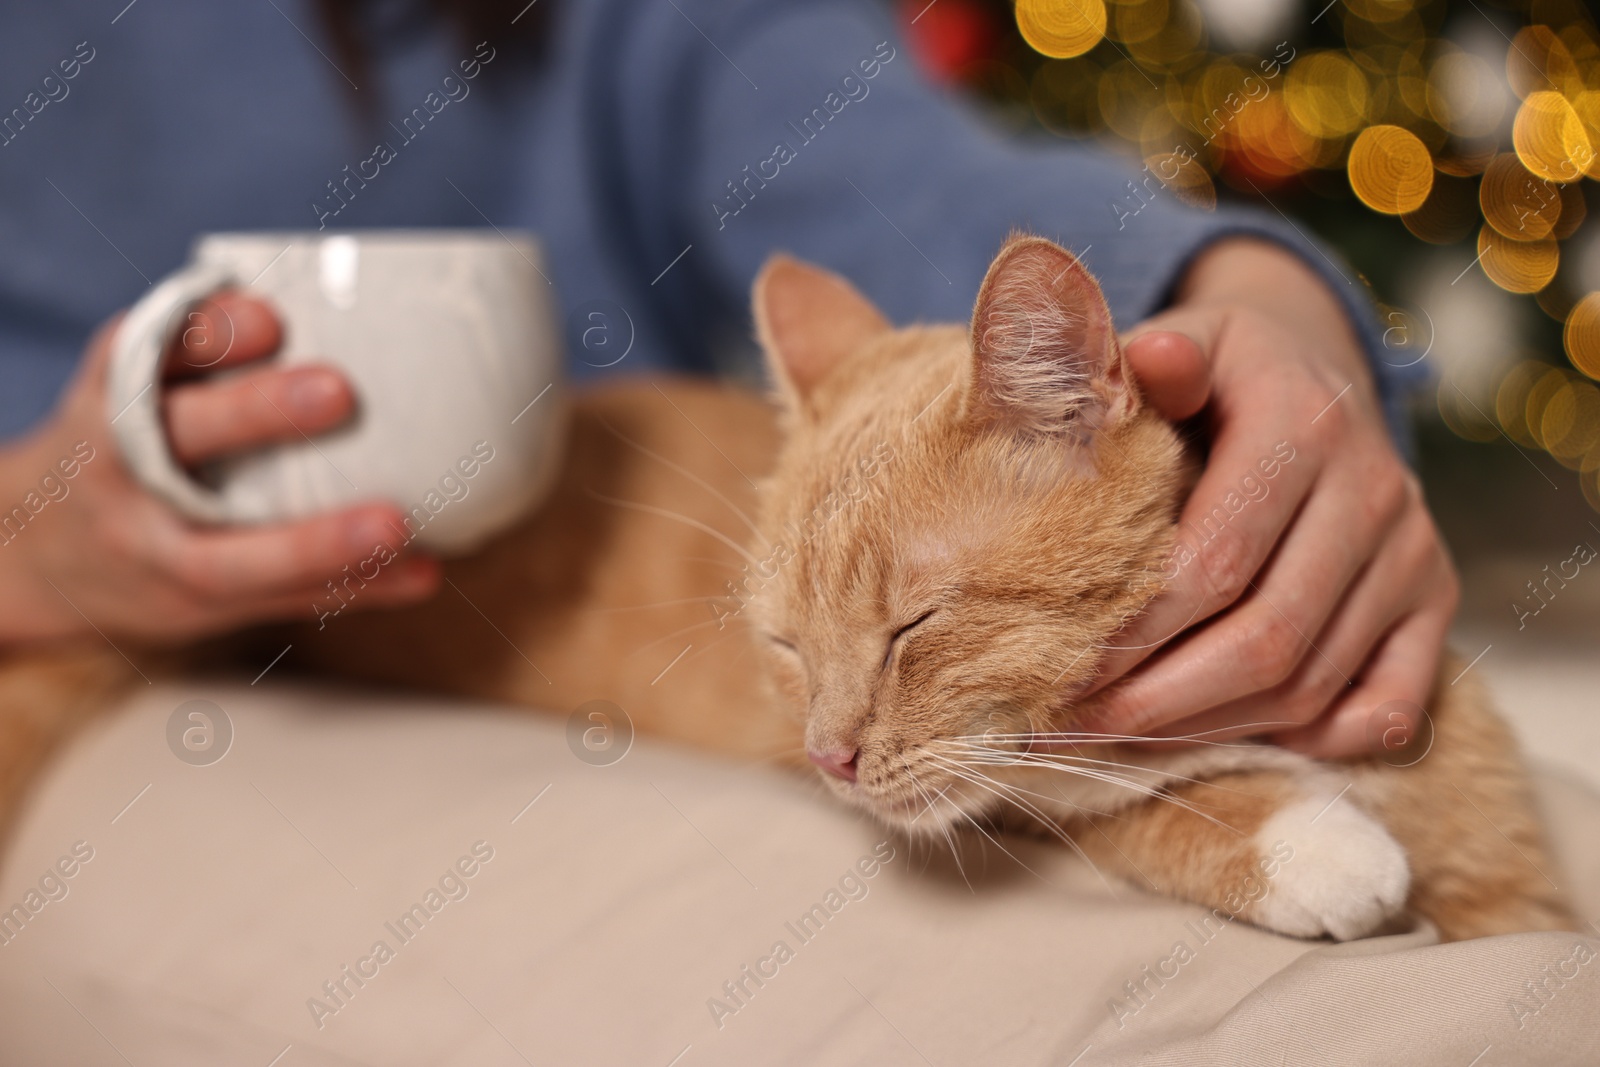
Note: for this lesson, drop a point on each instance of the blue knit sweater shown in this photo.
(661, 152)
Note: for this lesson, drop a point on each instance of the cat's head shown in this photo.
(957, 522)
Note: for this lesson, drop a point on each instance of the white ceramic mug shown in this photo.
(450, 339)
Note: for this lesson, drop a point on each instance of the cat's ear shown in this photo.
(807, 320)
(1045, 357)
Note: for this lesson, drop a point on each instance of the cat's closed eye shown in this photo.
(894, 639)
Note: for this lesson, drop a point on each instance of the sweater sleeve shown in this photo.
(813, 132)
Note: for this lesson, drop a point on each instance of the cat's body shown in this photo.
(914, 594)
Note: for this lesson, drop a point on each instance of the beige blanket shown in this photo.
(369, 879)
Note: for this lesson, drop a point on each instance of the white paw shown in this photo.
(1346, 877)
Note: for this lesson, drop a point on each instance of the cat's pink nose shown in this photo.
(841, 763)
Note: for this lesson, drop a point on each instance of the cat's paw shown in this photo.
(1346, 878)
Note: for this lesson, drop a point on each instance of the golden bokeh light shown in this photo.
(1272, 143)
(1517, 203)
(1517, 266)
(1570, 422)
(1511, 400)
(1543, 390)
(1550, 139)
(1428, 126)
(1390, 169)
(1581, 337)
(1061, 28)
(1573, 211)
(1327, 94)
(1586, 106)
(1536, 61)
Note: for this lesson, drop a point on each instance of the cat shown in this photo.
(934, 537)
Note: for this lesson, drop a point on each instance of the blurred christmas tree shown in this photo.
(1446, 147)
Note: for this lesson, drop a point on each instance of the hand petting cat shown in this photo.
(1313, 604)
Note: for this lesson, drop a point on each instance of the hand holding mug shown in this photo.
(413, 407)
(103, 552)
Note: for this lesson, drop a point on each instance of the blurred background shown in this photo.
(1450, 150)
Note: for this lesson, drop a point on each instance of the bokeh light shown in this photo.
(1570, 423)
(1390, 170)
(1062, 28)
(1327, 94)
(1518, 204)
(1517, 266)
(1436, 129)
(1550, 138)
(1581, 338)
(1511, 400)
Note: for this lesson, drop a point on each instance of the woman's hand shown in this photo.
(1309, 587)
(96, 551)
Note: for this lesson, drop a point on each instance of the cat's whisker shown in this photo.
(971, 766)
(1124, 778)
(978, 826)
(1096, 736)
(1143, 788)
(927, 801)
(701, 650)
(1278, 724)
(1005, 757)
(1084, 772)
(983, 781)
(676, 633)
(917, 839)
(945, 830)
(651, 509)
(1089, 822)
(1085, 820)
(693, 477)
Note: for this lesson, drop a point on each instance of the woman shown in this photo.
(661, 151)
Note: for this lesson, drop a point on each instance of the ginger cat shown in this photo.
(950, 523)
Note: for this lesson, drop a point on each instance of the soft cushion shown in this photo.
(220, 898)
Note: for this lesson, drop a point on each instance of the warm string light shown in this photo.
(1417, 126)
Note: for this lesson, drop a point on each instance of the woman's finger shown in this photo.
(209, 419)
(1262, 641)
(1172, 370)
(235, 565)
(1390, 696)
(1260, 471)
(408, 580)
(1403, 573)
(225, 330)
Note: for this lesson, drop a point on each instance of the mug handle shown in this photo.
(133, 405)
